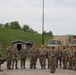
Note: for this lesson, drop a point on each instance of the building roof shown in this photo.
(22, 42)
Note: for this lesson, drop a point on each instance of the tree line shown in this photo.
(26, 28)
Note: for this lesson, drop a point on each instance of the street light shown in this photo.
(43, 23)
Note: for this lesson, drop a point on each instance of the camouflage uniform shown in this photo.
(65, 57)
(42, 57)
(59, 56)
(15, 58)
(52, 58)
(9, 57)
(33, 57)
(71, 58)
(23, 55)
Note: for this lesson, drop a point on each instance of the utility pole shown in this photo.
(43, 23)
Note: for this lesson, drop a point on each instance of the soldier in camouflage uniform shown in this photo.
(1, 58)
(52, 58)
(71, 57)
(33, 56)
(15, 57)
(42, 57)
(9, 57)
(65, 57)
(23, 55)
(59, 56)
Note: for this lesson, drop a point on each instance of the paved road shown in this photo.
(37, 71)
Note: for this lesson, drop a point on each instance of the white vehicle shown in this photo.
(72, 42)
(54, 43)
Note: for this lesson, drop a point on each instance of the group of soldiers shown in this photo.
(13, 56)
(65, 57)
(57, 57)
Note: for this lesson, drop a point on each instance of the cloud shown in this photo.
(59, 14)
(66, 3)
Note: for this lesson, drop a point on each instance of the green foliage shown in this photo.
(1, 25)
(15, 25)
(31, 30)
(25, 28)
(48, 33)
(9, 35)
(6, 25)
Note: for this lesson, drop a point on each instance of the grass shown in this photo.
(9, 35)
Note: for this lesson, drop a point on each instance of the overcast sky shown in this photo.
(60, 15)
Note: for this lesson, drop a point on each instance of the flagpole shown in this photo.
(43, 23)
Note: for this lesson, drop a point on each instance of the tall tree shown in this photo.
(6, 25)
(48, 33)
(1, 25)
(15, 25)
(25, 28)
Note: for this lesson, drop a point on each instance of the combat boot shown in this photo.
(44, 67)
(34, 67)
(0, 68)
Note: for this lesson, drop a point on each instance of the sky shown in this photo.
(59, 15)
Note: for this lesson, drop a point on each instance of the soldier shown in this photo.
(65, 57)
(1, 58)
(52, 58)
(9, 57)
(23, 55)
(15, 57)
(33, 56)
(59, 56)
(42, 57)
(71, 57)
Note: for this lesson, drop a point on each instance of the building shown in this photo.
(21, 43)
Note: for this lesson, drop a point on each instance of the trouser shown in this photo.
(75, 63)
(48, 63)
(42, 62)
(71, 63)
(0, 67)
(59, 59)
(15, 61)
(64, 62)
(8, 63)
(52, 65)
(33, 61)
(23, 62)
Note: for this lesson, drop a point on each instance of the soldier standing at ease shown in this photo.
(15, 57)
(9, 57)
(59, 56)
(1, 58)
(52, 58)
(33, 56)
(23, 55)
(42, 57)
